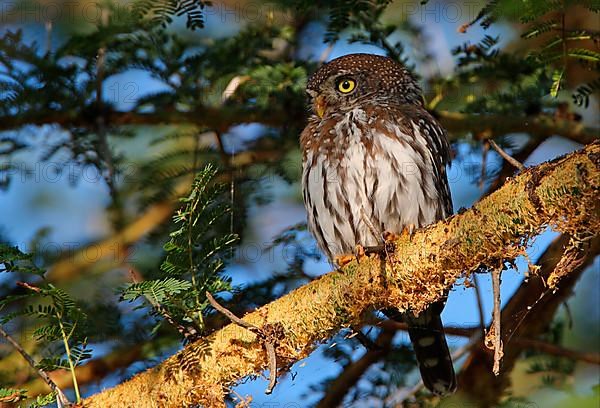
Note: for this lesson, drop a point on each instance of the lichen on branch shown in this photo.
(562, 194)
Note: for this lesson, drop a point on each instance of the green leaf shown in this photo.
(584, 55)
(158, 291)
(53, 363)
(10, 395)
(13, 260)
(195, 256)
(556, 82)
(537, 29)
(47, 333)
(43, 400)
(162, 12)
(582, 94)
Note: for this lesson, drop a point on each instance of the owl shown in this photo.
(374, 161)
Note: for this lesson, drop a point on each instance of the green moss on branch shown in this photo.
(563, 194)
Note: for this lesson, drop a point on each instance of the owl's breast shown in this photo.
(364, 179)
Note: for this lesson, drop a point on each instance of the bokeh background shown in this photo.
(71, 184)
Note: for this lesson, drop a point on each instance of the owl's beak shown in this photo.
(320, 106)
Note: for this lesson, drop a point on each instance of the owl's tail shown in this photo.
(426, 333)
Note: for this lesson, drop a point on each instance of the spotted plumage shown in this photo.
(374, 160)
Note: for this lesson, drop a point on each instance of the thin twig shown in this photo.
(101, 124)
(232, 87)
(272, 356)
(368, 222)
(406, 393)
(555, 350)
(60, 396)
(569, 315)
(231, 316)
(227, 162)
(507, 168)
(48, 26)
(494, 336)
(244, 403)
(506, 156)
(28, 286)
(267, 342)
(224, 157)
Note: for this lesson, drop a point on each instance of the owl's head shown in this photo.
(346, 82)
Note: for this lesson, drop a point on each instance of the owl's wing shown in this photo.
(436, 140)
(440, 149)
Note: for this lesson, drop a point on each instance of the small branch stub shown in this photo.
(265, 337)
(493, 338)
(506, 156)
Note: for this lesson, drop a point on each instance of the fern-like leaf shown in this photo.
(161, 13)
(556, 82)
(540, 28)
(43, 400)
(158, 290)
(584, 54)
(195, 257)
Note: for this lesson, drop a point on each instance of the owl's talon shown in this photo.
(389, 236)
(359, 252)
(409, 230)
(343, 260)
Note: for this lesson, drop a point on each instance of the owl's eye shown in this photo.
(346, 85)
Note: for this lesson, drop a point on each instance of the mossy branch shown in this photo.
(562, 194)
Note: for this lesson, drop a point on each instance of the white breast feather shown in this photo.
(371, 199)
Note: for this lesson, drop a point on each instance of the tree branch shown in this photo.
(60, 396)
(562, 194)
(483, 126)
(539, 127)
(554, 350)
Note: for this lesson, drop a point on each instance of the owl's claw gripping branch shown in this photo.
(359, 252)
(407, 231)
(382, 250)
(389, 236)
(343, 260)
